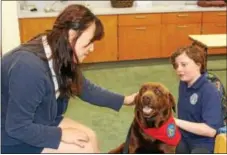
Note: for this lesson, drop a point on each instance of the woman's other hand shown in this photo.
(74, 136)
(129, 100)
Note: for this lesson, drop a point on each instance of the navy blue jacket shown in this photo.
(29, 109)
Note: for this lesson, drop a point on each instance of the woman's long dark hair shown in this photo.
(78, 18)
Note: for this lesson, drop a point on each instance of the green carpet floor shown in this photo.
(125, 77)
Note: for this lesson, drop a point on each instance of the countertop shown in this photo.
(132, 10)
(210, 40)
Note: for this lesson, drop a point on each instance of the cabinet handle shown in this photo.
(141, 28)
(182, 15)
(222, 14)
(140, 17)
(182, 26)
(221, 25)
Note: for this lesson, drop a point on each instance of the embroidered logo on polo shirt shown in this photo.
(194, 99)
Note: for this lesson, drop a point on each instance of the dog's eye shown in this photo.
(157, 91)
(143, 89)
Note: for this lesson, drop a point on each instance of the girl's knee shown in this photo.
(92, 135)
(89, 148)
(71, 148)
(67, 122)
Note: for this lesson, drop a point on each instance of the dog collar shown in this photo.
(167, 133)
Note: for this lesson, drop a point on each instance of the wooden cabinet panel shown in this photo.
(142, 35)
(139, 42)
(214, 17)
(139, 19)
(217, 28)
(214, 23)
(30, 27)
(182, 18)
(213, 28)
(175, 36)
(217, 51)
(106, 49)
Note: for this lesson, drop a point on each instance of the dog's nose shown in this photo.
(146, 99)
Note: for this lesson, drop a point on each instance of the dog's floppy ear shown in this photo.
(172, 102)
(136, 99)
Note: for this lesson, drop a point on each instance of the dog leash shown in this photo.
(126, 146)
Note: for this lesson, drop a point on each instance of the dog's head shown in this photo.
(153, 105)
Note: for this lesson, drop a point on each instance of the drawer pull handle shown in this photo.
(140, 17)
(182, 26)
(221, 14)
(182, 15)
(221, 25)
(141, 28)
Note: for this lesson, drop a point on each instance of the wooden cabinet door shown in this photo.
(106, 49)
(215, 28)
(214, 23)
(139, 42)
(30, 27)
(175, 36)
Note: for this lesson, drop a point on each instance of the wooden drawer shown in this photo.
(139, 19)
(214, 28)
(181, 18)
(214, 17)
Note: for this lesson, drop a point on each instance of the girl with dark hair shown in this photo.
(40, 76)
(199, 104)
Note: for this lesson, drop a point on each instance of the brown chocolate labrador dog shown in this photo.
(153, 129)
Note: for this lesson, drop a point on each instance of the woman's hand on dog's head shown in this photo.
(129, 100)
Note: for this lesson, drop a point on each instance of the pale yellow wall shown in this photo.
(10, 27)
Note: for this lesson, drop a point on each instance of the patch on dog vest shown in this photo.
(171, 130)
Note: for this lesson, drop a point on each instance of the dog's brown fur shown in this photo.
(154, 95)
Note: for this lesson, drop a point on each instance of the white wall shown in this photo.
(10, 26)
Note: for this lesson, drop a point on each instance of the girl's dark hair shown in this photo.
(78, 18)
(194, 53)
